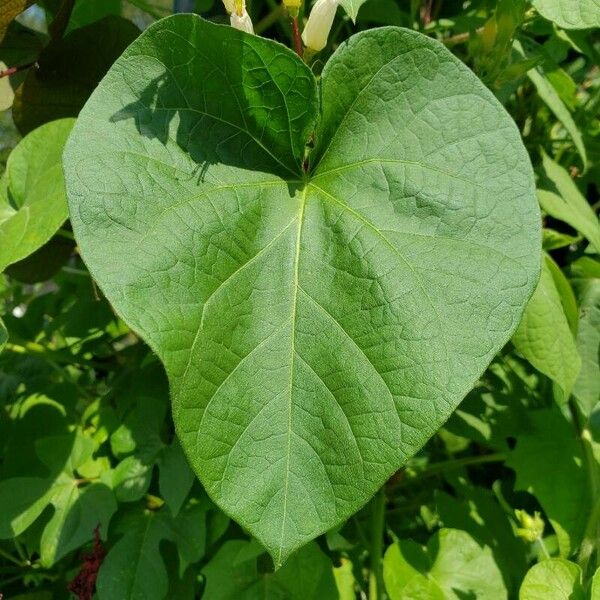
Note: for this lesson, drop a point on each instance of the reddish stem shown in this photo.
(297, 37)
(12, 70)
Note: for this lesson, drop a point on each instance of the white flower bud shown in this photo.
(229, 5)
(319, 24)
(243, 22)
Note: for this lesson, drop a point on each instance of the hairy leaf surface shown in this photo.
(318, 319)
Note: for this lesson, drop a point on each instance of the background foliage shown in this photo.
(504, 500)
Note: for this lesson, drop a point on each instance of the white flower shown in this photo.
(229, 5)
(242, 22)
(319, 24)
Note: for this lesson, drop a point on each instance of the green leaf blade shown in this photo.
(33, 204)
(281, 305)
(570, 14)
(553, 579)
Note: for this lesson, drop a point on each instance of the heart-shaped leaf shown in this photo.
(319, 317)
(352, 7)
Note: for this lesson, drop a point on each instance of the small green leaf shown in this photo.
(561, 199)
(553, 240)
(233, 574)
(551, 97)
(595, 589)
(452, 567)
(587, 386)
(131, 479)
(565, 292)
(553, 579)
(344, 580)
(317, 327)
(33, 204)
(570, 14)
(548, 461)
(77, 512)
(22, 499)
(352, 7)
(477, 512)
(544, 336)
(175, 477)
(134, 568)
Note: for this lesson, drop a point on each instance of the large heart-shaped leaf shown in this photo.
(319, 317)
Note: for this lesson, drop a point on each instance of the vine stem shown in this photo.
(591, 536)
(13, 70)
(376, 549)
(270, 19)
(297, 37)
(61, 20)
(450, 465)
(10, 557)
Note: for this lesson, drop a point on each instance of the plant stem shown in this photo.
(10, 558)
(376, 550)
(543, 548)
(61, 20)
(591, 537)
(461, 38)
(12, 70)
(297, 37)
(449, 465)
(269, 20)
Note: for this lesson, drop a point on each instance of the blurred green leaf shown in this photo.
(544, 336)
(234, 574)
(78, 508)
(176, 476)
(553, 240)
(587, 386)
(570, 14)
(548, 461)
(551, 97)
(352, 7)
(33, 203)
(479, 514)
(134, 568)
(131, 479)
(453, 566)
(553, 579)
(560, 197)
